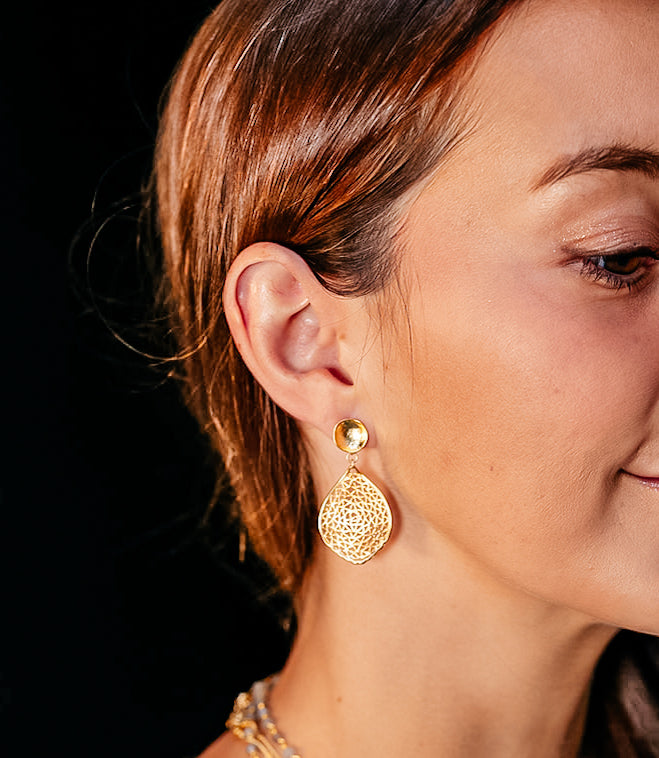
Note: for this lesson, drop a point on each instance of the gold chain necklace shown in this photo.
(250, 721)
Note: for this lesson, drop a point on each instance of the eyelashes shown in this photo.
(621, 269)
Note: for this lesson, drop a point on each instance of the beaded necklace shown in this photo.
(250, 721)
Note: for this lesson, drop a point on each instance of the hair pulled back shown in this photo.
(304, 122)
(300, 122)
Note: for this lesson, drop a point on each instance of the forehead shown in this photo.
(560, 76)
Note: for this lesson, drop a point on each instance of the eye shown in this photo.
(624, 264)
(625, 268)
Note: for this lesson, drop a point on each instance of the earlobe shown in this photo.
(283, 322)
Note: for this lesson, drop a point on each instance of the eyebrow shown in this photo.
(611, 158)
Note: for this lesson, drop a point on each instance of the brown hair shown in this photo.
(303, 122)
(299, 122)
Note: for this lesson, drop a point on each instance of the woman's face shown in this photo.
(524, 424)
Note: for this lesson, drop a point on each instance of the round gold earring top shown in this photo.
(350, 435)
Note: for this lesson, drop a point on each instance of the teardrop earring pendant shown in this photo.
(355, 519)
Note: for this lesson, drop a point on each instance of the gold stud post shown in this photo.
(350, 435)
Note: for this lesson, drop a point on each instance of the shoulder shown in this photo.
(226, 746)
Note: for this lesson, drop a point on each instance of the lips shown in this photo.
(648, 481)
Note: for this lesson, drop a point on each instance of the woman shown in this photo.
(440, 220)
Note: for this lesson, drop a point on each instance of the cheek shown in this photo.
(521, 413)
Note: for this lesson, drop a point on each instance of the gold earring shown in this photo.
(355, 519)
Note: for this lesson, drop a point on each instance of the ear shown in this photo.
(294, 336)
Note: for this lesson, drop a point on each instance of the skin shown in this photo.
(518, 442)
(534, 387)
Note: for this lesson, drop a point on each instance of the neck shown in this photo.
(447, 662)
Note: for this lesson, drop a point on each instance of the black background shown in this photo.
(128, 628)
